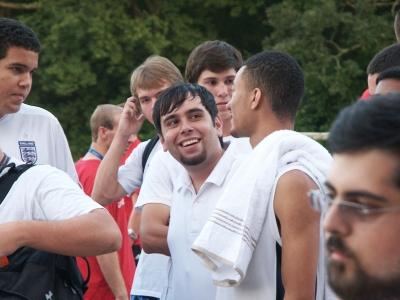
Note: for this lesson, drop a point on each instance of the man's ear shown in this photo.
(256, 98)
(218, 125)
(162, 141)
(101, 132)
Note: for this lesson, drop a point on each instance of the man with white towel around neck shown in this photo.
(263, 239)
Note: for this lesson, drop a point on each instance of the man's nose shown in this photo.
(25, 80)
(334, 222)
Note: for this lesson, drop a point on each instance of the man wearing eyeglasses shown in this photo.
(362, 221)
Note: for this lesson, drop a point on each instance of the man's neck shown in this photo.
(226, 128)
(266, 128)
(2, 114)
(101, 149)
(1, 155)
(199, 173)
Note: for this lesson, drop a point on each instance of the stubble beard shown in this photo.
(194, 161)
(359, 285)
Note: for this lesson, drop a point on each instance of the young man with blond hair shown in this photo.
(147, 82)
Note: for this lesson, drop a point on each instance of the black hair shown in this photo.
(391, 73)
(15, 34)
(216, 56)
(368, 125)
(280, 79)
(386, 58)
(173, 97)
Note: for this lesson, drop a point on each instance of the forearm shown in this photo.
(110, 267)
(106, 186)
(93, 233)
(154, 228)
(154, 238)
(134, 221)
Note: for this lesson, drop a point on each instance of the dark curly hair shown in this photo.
(15, 34)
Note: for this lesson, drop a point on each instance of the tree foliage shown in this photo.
(334, 42)
(91, 47)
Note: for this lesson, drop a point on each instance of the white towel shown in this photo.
(229, 237)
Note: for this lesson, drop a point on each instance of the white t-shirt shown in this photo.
(44, 193)
(188, 278)
(260, 280)
(130, 174)
(34, 135)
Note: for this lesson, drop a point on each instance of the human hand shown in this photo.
(131, 119)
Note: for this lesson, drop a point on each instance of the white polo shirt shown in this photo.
(188, 278)
(44, 193)
(34, 135)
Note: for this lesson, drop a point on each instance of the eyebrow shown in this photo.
(194, 110)
(214, 77)
(190, 111)
(168, 117)
(144, 97)
(367, 195)
(19, 65)
(356, 193)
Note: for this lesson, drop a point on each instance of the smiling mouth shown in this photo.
(189, 142)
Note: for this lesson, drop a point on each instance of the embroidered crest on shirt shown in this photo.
(28, 151)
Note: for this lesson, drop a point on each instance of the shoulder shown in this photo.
(42, 175)
(239, 145)
(140, 148)
(163, 160)
(30, 110)
(43, 171)
(294, 179)
(291, 194)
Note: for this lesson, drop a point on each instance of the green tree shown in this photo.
(91, 47)
(333, 41)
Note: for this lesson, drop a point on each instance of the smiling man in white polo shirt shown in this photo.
(186, 119)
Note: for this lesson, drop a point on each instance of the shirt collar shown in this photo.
(218, 174)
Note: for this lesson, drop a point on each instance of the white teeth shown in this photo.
(189, 142)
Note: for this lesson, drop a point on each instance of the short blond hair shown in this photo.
(103, 116)
(154, 72)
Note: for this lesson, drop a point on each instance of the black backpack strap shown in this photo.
(147, 150)
(8, 179)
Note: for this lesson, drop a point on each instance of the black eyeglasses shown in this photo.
(321, 202)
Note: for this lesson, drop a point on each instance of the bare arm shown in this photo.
(110, 267)
(299, 228)
(154, 228)
(135, 217)
(106, 186)
(90, 234)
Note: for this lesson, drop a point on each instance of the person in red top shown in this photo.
(111, 275)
